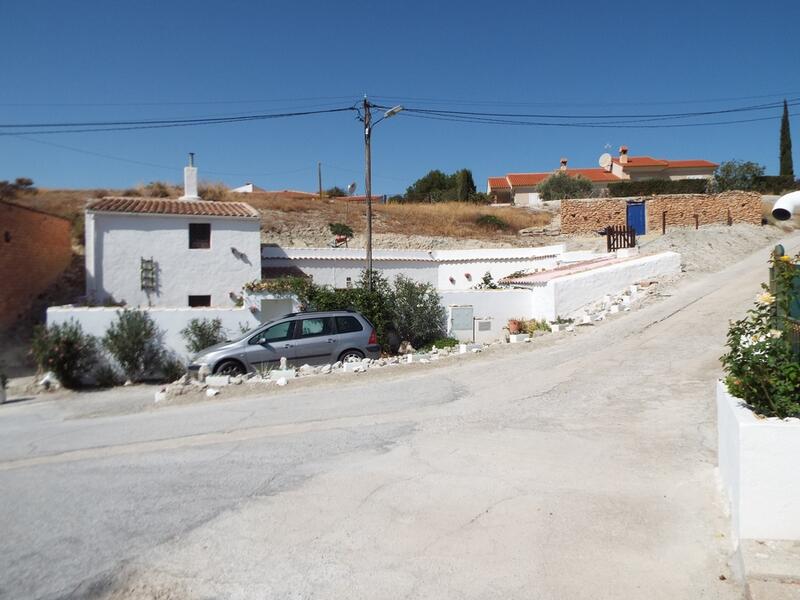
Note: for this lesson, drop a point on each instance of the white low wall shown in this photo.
(499, 305)
(573, 292)
(758, 469)
(96, 320)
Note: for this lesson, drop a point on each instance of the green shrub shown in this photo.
(444, 342)
(172, 369)
(560, 186)
(492, 222)
(418, 313)
(649, 187)
(202, 333)
(135, 343)
(341, 229)
(532, 326)
(106, 376)
(65, 350)
(761, 366)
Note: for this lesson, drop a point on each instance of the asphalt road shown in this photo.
(581, 466)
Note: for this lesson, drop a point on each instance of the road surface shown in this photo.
(581, 466)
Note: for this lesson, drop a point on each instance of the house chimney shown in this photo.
(563, 166)
(190, 180)
(623, 155)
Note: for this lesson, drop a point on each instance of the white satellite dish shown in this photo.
(351, 188)
(605, 160)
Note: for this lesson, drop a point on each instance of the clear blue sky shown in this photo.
(109, 60)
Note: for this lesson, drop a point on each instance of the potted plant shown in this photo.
(758, 412)
(514, 326)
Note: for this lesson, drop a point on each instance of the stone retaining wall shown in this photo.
(594, 214)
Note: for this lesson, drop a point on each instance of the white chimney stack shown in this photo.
(623, 155)
(563, 166)
(190, 180)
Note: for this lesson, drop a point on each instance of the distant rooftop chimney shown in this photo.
(190, 180)
(563, 166)
(623, 155)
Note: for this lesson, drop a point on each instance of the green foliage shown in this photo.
(202, 333)
(533, 326)
(487, 283)
(335, 192)
(560, 186)
(107, 376)
(441, 343)
(480, 198)
(157, 189)
(787, 167)
(172, 369)
(465, 185)
(738, 175)
(761, 366)
(135, 343)
(492, 222)
(437, 186)
(65, 350)
(12, 189)
(649, 187)
(341, 229)
(418, 313)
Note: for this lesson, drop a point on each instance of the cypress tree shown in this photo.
(787, 169)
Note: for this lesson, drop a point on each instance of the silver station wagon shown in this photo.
(303, 338)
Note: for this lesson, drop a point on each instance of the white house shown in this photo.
(171, 253)
(444, 269)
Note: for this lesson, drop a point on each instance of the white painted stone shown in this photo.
(211, 392)
(281, 381)
(555, 327)
(586, 319)
(516, 338)
(325, 369)
(613, 309)
(570, 327)
(354, 367)
(278, 374)
(218, 380)
(758, 470)
(337, 365)
(424, 360)
(160, 395)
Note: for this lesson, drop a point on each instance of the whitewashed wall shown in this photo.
(336, 272)
(115, 244)
(96, 320)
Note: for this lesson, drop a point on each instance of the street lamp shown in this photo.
(368, 125)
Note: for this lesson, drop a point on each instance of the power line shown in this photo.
(174, 103)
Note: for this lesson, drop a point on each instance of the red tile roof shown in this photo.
(690, 164)
(529, 179)
(650, 162)
(166, 206)
(498, 183)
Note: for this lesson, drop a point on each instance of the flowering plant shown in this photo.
(761, 366)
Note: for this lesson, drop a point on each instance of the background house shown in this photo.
(521, 188)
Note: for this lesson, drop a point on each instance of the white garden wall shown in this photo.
(758, 470)
(96, 320)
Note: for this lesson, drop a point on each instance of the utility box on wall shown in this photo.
(460, 322)
(483, 330)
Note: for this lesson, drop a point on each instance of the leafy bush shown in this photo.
(135, 343)
(106, 376)
(649, 187)
(445, 342)
(341, 229)
(172, 369)
(560, 186)
(738, 175)
(65, 350)
(761, 366)
(418, 313)
(202, 333)
(491, 222)
(532, 326)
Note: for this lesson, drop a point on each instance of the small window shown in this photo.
(348, 325)
(276, 333)
(349, 282)
(315, 327)
(195, 301)
(199, 236)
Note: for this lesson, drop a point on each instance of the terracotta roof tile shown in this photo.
(685, 164)
(529, 179)
(166, 206)
(498, 183)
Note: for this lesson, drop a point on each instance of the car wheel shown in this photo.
(351, 356)
(230, 367)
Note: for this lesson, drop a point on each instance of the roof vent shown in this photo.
(190, 180)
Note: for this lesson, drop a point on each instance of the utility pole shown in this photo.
(368, 187)
(319, 177)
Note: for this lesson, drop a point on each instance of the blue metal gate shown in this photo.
(635, 217)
